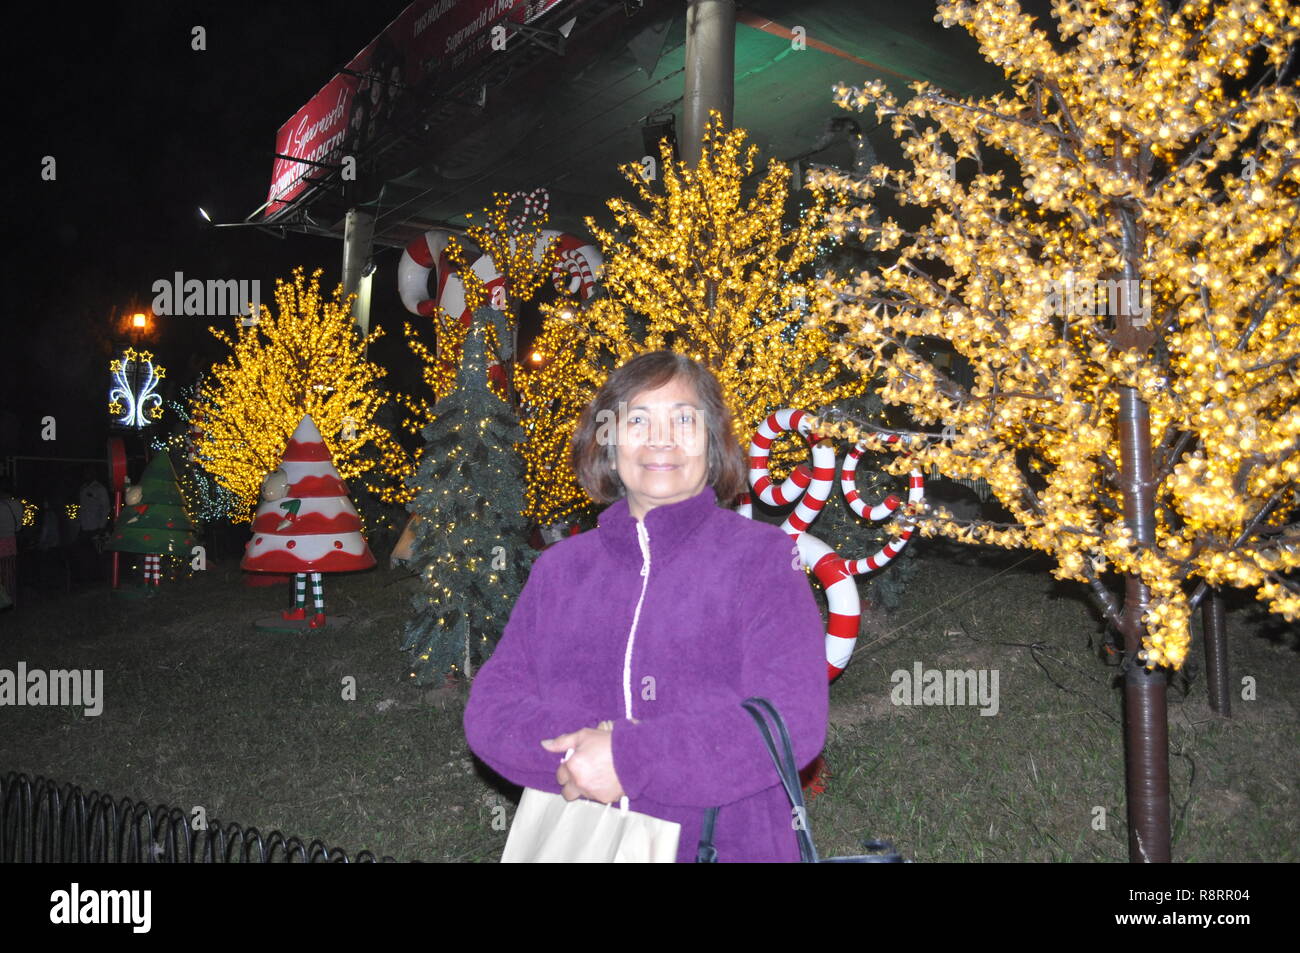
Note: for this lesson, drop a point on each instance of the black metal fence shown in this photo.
(41, 822)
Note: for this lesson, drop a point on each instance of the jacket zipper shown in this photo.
(643, 540)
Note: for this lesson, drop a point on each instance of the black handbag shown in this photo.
(766, 716)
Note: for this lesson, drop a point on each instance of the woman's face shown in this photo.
(663, 447)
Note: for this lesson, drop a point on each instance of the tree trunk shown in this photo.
(509, 367)
(1216, 653)
(1146, 728)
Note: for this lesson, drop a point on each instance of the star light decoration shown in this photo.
(1155, 151)
(306, 359)
(133, 398)
(707, 268)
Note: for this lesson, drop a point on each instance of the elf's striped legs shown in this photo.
(318, 600)
(152, 570)
(299, 610)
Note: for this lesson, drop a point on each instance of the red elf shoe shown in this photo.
(317, 621)
(294, 615)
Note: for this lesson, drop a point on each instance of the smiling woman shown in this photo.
(621, 673)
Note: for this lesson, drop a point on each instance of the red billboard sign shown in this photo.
(430, 43)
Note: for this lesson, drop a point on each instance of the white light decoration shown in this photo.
(133, 400)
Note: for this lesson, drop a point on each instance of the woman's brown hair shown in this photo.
(593, 463)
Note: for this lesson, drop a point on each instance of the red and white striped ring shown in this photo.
(881, 511)
(759, 448)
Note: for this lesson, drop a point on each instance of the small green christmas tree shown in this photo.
(154, 520)
(469, 548)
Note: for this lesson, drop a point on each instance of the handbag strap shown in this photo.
(706, 853)
(762, 710)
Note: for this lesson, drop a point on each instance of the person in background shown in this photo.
(57, 538)
(93, 509)
(11, 520)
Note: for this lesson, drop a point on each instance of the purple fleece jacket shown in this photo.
(727, 614)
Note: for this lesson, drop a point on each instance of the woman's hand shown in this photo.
(589, 772)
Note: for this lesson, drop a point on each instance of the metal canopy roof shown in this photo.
(532, 117)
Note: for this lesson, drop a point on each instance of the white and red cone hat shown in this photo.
(314, 527)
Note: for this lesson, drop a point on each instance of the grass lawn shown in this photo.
(202, 709)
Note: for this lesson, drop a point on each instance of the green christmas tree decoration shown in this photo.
(158, 523)
(470, 547)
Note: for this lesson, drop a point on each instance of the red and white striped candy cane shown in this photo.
(810, 490)
(830, 569)
(535, 205)
(759, 477)
(422, 257)
(578, 263)
(841, 597)
(881, 511)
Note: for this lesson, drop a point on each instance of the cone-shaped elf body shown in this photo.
(157, 524)
(315, 527)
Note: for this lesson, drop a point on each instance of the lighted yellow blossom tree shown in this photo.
(706, 266)
(576, 350)
(306, 358)
(1112, 247)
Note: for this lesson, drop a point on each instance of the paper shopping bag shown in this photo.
(549, 829)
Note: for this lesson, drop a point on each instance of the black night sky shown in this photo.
(143, 130)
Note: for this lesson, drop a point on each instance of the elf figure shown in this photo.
(152, 563)
(154, 521)
(306, 525)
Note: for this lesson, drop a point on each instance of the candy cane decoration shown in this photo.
(881, 511)
(424, 256)
(809, 490)
(579, 264)
(536, 204)
(577, 269)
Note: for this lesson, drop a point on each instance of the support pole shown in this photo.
(1216, 653)
(710, 70)
(117, 480)
(115, 572)
(358, 232)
